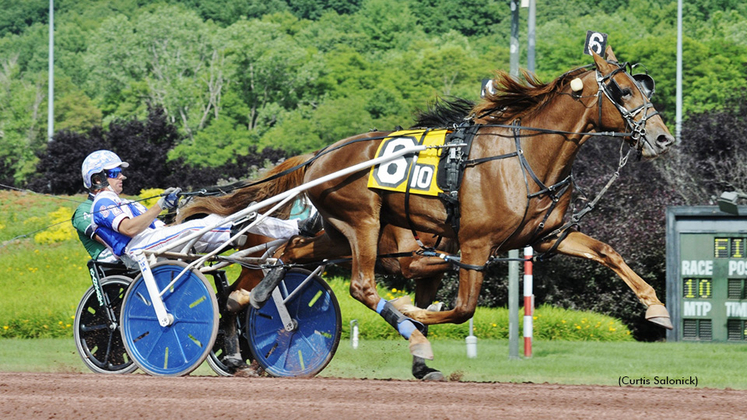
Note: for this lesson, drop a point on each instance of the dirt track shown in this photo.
(91, 396)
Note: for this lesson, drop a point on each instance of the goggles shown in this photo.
(113, 173)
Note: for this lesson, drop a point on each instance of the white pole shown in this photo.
(514, 51)
(354, 333)
(678, 112)
(531, 34)
(50, 96)
(513, 305)
(471, 342)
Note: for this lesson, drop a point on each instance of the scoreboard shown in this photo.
(707, 274)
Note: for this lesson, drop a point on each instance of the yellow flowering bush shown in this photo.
(60, 229)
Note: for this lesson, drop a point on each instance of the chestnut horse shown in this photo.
(515, 190)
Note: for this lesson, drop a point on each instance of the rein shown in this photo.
(222, 190)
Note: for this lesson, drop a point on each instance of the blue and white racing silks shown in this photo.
(108, 212)
(155, 239)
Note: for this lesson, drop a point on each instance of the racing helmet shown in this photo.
(98, 162)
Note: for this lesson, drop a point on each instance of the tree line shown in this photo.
(297, 75)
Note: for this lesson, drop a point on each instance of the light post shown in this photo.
(50, 99)
(678, 96)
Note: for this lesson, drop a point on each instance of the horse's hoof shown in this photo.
(434, 376)
(246, 373)
(261, 292)
(662, 321)
(249, 371)
(234, 364)
(237, 300)
(659, 315)
(420, 346)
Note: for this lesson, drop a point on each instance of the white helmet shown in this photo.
(97, 162)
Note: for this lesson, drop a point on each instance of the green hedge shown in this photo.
(550, 323)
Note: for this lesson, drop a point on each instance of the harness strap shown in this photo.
(525, 165)
(453, 164)
(552, 207)
(551, 252)
(407, 192)
(576, 217)
(426, 252)
(474, 162)
(452, 259)
(225, 189)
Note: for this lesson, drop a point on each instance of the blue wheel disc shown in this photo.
(181, 347)
(307, 349)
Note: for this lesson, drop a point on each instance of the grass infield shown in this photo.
(694, 365)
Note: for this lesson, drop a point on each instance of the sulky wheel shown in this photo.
(181, 347)
(310, 345)
(97, 336)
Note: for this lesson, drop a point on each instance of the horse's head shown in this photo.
(625, 104)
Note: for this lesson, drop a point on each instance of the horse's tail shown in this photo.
(241, 198)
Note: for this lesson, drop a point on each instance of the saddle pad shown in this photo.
(397, 174)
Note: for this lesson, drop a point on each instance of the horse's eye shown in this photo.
(626, 93)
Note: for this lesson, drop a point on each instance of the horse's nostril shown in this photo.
(664, 140)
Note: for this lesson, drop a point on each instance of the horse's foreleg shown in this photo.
(577, 244)
(426, 289)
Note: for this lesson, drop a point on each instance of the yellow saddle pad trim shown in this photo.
(397, 174)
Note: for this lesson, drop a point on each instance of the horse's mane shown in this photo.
(514, 99)
(444, 112)
(241, 198)
(511, 99)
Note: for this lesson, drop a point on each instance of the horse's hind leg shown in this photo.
(298, 249)
(363, 239)
(577, 244)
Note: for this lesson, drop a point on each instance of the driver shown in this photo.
(127, 227)
(82, 221)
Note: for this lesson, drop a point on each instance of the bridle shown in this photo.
(645, 85)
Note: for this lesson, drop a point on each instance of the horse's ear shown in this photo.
(602, 65)
(610, 55)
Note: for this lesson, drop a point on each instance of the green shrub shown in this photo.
(40, 326)
(550, 323)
